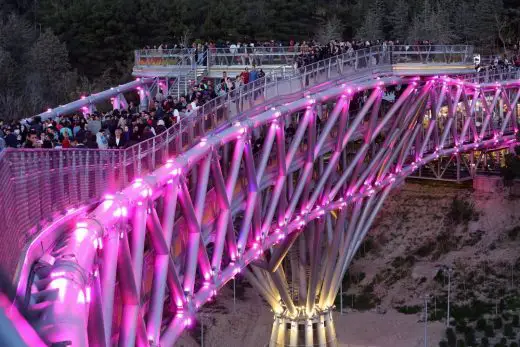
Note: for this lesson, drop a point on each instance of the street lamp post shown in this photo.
(201, 330)
(449, 270)
(426, 320)
(341, 299)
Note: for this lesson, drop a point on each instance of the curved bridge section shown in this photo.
(304, 179)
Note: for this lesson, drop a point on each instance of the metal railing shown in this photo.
(493, 75)
(146, 57)
(447, 54)
(246, 55)
(183, 77)
(38, 182)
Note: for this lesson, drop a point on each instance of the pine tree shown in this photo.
(399, 20)
(372, 28)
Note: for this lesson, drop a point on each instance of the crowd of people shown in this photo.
(122, 128)
(499, 63)
(118, 128)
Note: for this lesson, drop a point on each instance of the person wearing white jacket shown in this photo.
(101, 140)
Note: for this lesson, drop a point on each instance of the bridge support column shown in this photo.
(317, 330)
(303, 301)
(144, 98)
(119, 102)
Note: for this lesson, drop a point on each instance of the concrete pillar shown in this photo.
(317, 330)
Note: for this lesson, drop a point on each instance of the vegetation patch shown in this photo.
(461, 211)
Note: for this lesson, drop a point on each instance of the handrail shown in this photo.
(93, 98)
(292, 50)
(193, 70)
(493, 75)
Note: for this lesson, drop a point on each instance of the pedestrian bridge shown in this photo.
(279, 183)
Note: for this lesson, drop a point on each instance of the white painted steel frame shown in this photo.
(193, 200)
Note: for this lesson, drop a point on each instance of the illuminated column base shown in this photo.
(304, 331)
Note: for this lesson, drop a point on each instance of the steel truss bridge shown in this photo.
(282, 192)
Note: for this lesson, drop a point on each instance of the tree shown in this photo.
(399, 19)
(330, 30)
(50, 78)
(432, 24)
(372, 27)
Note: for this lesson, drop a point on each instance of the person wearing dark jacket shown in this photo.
(118, 141)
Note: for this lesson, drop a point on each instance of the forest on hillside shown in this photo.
(53, 50)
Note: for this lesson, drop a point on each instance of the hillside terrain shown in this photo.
(422, 230)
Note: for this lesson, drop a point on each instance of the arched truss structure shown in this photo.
(136, 269)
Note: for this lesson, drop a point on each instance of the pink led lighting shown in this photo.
(80, 234)
(146, 193)
(58, 274)
(84, 297)
(60, 284)
(98, 243)
(138, 183)
(83, 97)
(49, 110)
(120, 212)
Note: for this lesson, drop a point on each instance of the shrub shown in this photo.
(469, 337)
(450, 335)
(461, 211)
(461, 326)
(481, 324)
(484, 342)
(513, 233)
(506, 316)
(513, 344)
(489, 332)
(516, 320)
(508, 330)
(497, 323)
(460, 343)
(410, 309)
(443, 343)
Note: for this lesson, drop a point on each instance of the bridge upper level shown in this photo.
(165, 62)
